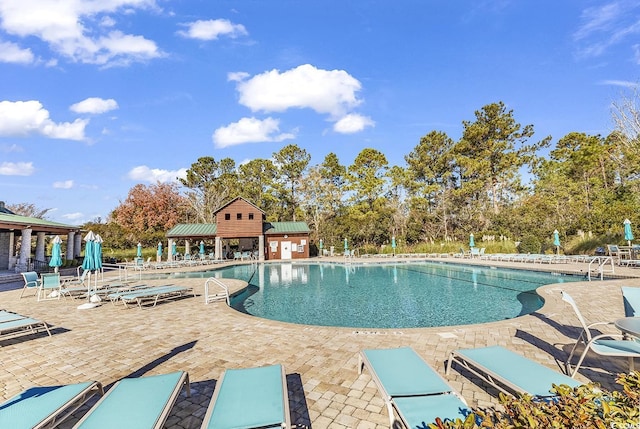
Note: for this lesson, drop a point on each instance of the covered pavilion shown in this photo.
(16, 241)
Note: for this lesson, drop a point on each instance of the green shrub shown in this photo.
(587, 406)
(530, 244)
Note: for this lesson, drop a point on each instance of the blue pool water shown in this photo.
(403, 295)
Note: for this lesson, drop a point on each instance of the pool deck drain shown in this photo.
(325, 390)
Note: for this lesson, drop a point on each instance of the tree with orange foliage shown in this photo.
(151, 209)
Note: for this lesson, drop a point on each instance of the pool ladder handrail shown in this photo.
(222, 292)
(602, 261)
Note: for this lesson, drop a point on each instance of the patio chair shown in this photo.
(134, 403)
(50, 287)
(631, 301)
(31, 281)
(602, 344)
(411, 388)
(509, 372)
(249, 398)
(46, 407)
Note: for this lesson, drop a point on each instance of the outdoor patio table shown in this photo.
(629, 326)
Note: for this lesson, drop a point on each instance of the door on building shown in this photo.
(285, 250)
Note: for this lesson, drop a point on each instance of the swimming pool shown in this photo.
(395, 295)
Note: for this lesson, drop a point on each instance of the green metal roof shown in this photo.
(285, 227)
(16, 221)
(210, 229)
(193, 230)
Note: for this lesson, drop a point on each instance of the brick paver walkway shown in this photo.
(109, 342)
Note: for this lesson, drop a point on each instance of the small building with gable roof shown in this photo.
(241, 232)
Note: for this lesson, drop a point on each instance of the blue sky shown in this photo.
(98, 96)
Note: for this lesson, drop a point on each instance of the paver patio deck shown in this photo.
(108, 342)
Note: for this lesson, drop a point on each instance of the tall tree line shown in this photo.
(497, 179)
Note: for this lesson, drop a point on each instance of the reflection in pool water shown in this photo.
(395, 295)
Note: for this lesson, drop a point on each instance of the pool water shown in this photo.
(397, 295)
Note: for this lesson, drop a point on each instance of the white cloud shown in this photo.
(352, 123)
(16, 169)
(23, 118)
(606, 25)
(212, 29)
(623, 83)
(73, 216)
(67, 184)
(154, 175)
(249, 130)
(79, 29)
(94, 105)
(330, 92)
(12, 53)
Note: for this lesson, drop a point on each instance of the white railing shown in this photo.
(602, 261)
(222, 291)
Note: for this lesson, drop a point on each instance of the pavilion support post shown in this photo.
(70, 245)
(77, 247)
(25, 251)
(40, 248)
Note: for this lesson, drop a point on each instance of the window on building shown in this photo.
(250, 216)
(239, 216)
(227, 216)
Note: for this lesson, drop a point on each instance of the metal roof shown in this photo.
(286, 227)
(17, 222)
(210, 229)
(193, 230)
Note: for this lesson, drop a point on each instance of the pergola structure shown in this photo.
(16, 240)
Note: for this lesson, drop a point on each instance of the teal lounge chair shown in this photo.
(46, 407)
(510, 372)
(631, 301)
(23, 325)
(411, 388)
(31, 281)
(250, 398)
(137, 403)
(7, 316)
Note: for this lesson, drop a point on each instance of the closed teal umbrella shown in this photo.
(89, 262)
(472, 243)
(628, 234)
(346, 244)
(393, 244)
(174, 249)
(56, 254)
(202, 247)
(159, 251)
(139, 252)
(556, 240)
(320, 244)
(97, 255)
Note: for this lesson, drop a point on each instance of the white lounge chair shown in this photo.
(601, 344)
